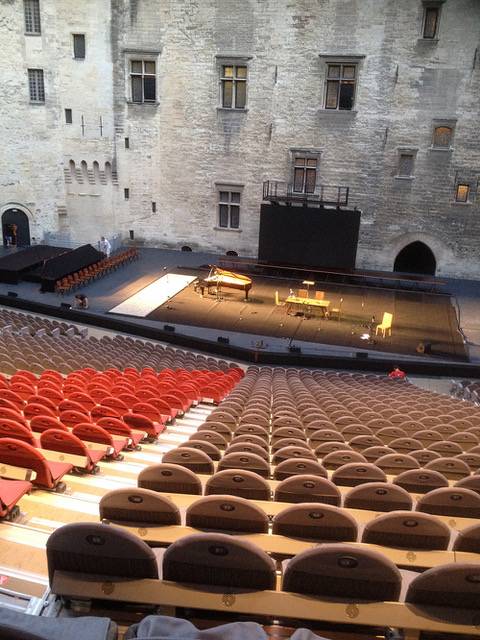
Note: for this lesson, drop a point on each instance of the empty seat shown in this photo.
(378, 496)
(297, 466)
(446, 448)
(451, 501)
(450, 586)
(288, 432)
(210, 436)
(217, 559)
(95, 549)
(394, 463)
(227, 513)
(10, 493)
(421, 480)
(169, 478)
(138, 506)
(210, 449)
(423, 456)
(472, 459)
(325, 435)
(472, 482)
(218, 427)
(468, 539)
(451, 468)
(307, 488)
(238, 482)
(193, 459)
(325, 448)
(337, 459)
(345, 572)
(253, 439)
(374, 453)
(405, 445)
(58, 440)
(360, 443)
(311, 521)
(252, 429)
(248, 447)
(291, 453)
(407, 530)
(354, 473)
(248, 461)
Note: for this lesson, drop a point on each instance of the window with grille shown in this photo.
(32, 16)
(442, 137)
(462, 192)
(36, 85)
(229, 209)
(143, 80)
(305, 175)
(405, 165)
(79, 46)
(68, 116)
(431, 18)
(341, 84)
(234, 86)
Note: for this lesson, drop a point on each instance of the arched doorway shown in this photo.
(416, 257)
(15, 228)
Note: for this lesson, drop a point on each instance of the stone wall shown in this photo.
(184, 146)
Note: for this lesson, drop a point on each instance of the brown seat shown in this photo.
(354, 473)
(423, 456)
(395, 463)
(472, 459)
(407, 530)
(288, 432)
(446, 448)
(245, 437)
(405, 445)
(219, 560)
(447, 588)
(387, 434)
(465, 439)
(169, 478)
(293, 452)
(427, 436)
(248, 447)
(420, 480)
(138, 506)
(252, 429)
(451, 501)
(312, 521)
(342, 571)
(360, 443)
(193, 459)
(378, 496)
(325, 435)
(352, 430)
(468, 540)
(374, 453)
(227, 513)
(297, 466)
(210, 449)
(248, 461)
(307, 488)
(286, 421)
(337, 459)
(238, 482)
(451, 468)
(290, 442)
(328, 447)
(210, 436)
(219, 427)
(93, 549)
(472, 482)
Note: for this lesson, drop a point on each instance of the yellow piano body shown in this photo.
(221, 278)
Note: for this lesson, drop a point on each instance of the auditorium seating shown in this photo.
(10, 493)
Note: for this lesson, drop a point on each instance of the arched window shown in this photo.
(71, 165)
(108, 171)
(96, 172)
(84, 170)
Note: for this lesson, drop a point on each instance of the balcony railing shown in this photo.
(329, 195)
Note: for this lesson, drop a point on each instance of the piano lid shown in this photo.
(218, 275)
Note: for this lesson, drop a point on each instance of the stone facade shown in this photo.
(183, 148)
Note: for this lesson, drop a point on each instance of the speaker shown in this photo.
(12, 294)
(223, 340)
(294, 349)
(361, 355)
(65, 305)
(168, 327)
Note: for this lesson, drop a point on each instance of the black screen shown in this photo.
(310, 237)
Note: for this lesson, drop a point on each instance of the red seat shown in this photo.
(146, 409)
(97, 393)
(46, 402)
(24, 376)
(93, 433)
(119, 428)
(71, 405)
(32, 410)
(10, 414)
(12, 429)
(43, 423)
(66, 442)
(10, 493)
(51, 373)
(115, 403)
(165, 411)
(82, 399)
(22, 389)
(142, 423)
(20, 454)
(72, 418)
(176, 401)
(49, 392)
(8, 404)
(105, 412)
(7, 394)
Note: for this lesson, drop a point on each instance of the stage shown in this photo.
(417, 317)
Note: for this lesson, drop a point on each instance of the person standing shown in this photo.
(105, 246)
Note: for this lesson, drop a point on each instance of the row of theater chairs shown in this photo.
(15, 625)
(461, 500)
(35, 325)
(90, 560)
(147, 512)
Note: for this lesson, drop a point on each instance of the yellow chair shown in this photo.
(386, 324)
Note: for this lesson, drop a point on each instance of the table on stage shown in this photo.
(294, 301)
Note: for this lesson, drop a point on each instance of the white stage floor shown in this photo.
(153, 295)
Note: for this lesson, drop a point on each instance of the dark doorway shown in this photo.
(15, 228)
(416, 257)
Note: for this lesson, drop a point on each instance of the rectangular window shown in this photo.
(127, 143)
(79, 46)
(229, 209)
(462, 192)
(341, 81)
(68, 116)
(126, 194)
(32, 16)
(143, 80)
(36, 85)
(305, 175)
(234, 86)
(154, 207)
(430, 22)
(405, 165)
(442, 137)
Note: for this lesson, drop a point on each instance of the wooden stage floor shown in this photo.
(416, 317)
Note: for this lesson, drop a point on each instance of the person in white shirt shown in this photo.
(105, 246)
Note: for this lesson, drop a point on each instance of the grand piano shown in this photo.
(220, 278)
